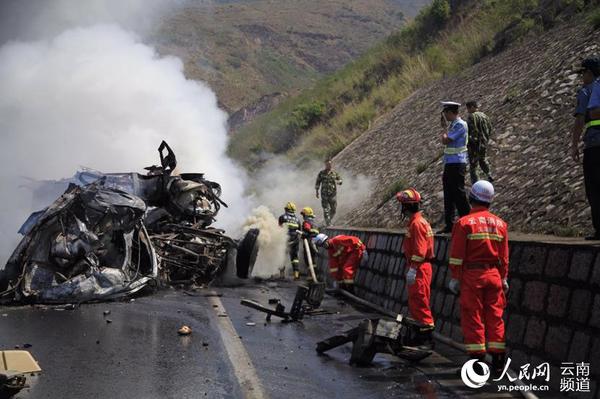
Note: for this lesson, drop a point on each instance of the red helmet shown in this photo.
(408, 196)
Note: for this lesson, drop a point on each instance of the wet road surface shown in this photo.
(135, 352)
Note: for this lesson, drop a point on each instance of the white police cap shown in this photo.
(450, 104)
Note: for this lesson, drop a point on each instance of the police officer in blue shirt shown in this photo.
(455, 164)
(587, 118)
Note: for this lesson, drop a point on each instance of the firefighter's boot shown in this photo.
(477, 367)
(498, 363)
(425, 338)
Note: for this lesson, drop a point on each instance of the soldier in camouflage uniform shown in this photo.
(327, 180)
(480, 129)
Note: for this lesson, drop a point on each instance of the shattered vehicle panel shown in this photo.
(110, 235)
(191, 255)
(89, 244)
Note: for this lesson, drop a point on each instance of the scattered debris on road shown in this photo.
(184, 330)
(313, 294)
(374, 336)
(14, 366)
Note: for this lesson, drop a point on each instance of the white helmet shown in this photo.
(482, 191)
(320, 239)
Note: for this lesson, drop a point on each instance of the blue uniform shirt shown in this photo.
(592, 134)
(456, 149)
(583, 98)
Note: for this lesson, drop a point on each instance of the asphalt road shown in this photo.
(232, 352)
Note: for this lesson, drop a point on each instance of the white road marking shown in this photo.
(243, 368)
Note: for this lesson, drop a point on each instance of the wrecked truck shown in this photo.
(112, 235)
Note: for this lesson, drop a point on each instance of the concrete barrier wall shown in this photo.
(553, 312)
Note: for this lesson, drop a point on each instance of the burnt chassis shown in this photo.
(90, 244)
(173, 226)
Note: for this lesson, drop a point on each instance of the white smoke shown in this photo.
(279, 181)
(80, 88)
(98, 96)
(272, 243)
(28, 20)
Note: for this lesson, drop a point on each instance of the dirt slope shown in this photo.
(528, 91)
(248, 49)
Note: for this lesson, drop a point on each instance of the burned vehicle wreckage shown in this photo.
(111, 235)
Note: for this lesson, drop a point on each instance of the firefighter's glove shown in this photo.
(411, 276)
(505, 286)
(454, 286)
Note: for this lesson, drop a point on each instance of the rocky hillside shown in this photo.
(247, 50)
(528, 90)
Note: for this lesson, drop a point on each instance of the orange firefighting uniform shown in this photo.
(479, 260)
(345, 254)
(418, 250)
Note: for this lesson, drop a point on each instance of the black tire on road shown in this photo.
(246, 253)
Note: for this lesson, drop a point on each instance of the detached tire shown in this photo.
(247, 252)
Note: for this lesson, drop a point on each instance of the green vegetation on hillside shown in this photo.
(247, 49)
(441, 41)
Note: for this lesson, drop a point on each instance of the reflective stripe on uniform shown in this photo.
(338, 252)
(475, 347)
(456, 261)
(295, 261)
(314, 231)
(292, 225)
(496, 345)
(416, 258)
(485, 236)
(347, 281)
(454, 151)
(592, 123)
(333, 270)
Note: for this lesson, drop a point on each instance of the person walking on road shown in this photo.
(345, 255)
(480, 130)
(455, 163)
(327, 181)
(418, 250)
(290, 221)
(479, 266)
(587, 118)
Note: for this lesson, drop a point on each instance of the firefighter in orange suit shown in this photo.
(345, 255)
(418, 250)
(479, 265)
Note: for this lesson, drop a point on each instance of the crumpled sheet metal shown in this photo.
(90, 244)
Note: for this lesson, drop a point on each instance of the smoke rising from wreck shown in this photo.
(278, 182)
(81, 88)
(97, 96)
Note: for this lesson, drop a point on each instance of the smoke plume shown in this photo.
(80, 86)
(272, 243)
(97, 96)
(280, 181)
